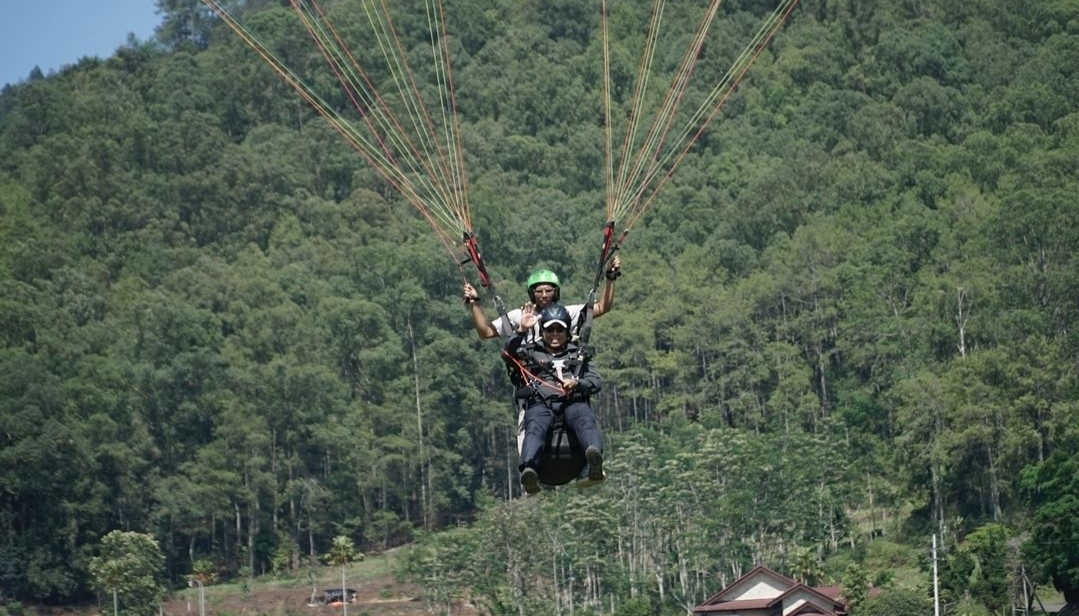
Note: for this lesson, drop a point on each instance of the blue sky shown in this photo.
(52, 33)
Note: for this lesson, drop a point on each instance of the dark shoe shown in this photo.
(530, 481)
(595, 464)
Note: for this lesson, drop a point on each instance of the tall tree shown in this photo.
(1054, 489)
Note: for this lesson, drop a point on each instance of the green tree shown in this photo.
(184, 23)
(895, 602)
(1054, 489)
(855, 588)
(130, 566)
(988, 583)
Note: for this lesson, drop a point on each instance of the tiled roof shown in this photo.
(810, 590)
(832, 592)
(731, 606)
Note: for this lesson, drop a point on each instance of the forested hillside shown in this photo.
(846, 323)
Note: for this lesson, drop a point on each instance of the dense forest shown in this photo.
(844, 326)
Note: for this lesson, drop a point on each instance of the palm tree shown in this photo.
(203, 573)
(111, 575)
(341, 553)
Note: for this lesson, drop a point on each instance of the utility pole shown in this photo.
(344, 593)
(936, 592)
(1033, 592)
(1023, 582)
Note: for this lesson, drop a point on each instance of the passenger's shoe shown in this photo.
(530, 481)
(585, 482)
(595, 465)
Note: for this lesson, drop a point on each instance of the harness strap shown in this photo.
(530, 380)
(584, 325)
(472, 248)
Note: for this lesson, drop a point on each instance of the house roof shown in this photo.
(733, 606)
(741, 583)
(816, 601)
(814, 593)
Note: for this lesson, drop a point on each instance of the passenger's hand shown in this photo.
(569, 384)
(529, 318)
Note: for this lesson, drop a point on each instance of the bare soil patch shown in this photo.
(378, 593)
(377, 596)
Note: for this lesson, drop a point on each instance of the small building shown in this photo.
(763, 592)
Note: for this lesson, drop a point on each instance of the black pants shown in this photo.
(578, 416)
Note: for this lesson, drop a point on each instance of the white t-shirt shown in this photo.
(514, 315)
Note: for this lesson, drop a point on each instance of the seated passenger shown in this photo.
(545, 375)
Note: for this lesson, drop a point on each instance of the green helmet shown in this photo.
(544, 276)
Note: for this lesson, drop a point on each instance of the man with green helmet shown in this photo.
(544, 288)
